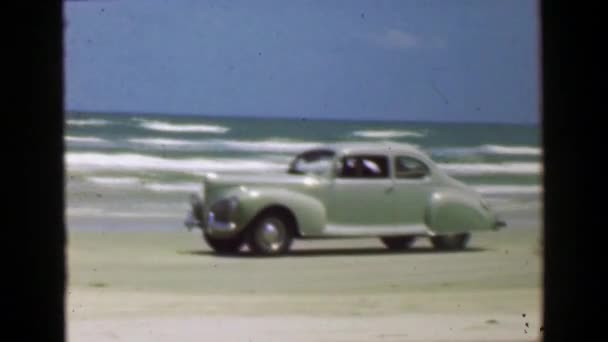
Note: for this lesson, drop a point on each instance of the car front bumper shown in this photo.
(191, 221)
(211, 226)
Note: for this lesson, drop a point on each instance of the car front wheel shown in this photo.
(270, 235)
(398, 242)
(224, 246)
(451, 241)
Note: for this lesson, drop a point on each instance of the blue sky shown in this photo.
(402, 60)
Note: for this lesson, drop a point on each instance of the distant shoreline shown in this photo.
(75, 113)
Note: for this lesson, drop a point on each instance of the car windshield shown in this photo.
(316, 161)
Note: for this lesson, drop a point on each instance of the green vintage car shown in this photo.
(391, 191)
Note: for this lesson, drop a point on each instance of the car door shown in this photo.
(412, 189)
(361, 193)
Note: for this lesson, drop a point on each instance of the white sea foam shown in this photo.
(85, 139)
(133, 181)
(170, 127)
(512, 150)
(97, 212)
(177, 187)
(487, 168)
(114, 181)
(388, 134)
(287, 146)
(269, 145)
(487, 149)
(138, 162)
(488, 189)
(164, 142)
(88, 122)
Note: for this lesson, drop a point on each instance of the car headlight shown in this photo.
(224, 210)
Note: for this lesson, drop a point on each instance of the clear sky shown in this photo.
(405, 60)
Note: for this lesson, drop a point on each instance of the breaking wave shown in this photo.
(224, 145)
(88, 122)
(388, 134)
(177, 187)
(139, 162)
(85, 139)
(487, 150)
(114, 180)
(170, 127)
(487, 168)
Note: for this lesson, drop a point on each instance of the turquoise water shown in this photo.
(145, 165)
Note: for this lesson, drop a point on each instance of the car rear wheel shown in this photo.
(224, 246)
(398, 242)
(270, 235)
(451, 241)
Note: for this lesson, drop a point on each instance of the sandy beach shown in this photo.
(168, 286)
(160, 95)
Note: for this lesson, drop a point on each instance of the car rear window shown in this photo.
(408, 167)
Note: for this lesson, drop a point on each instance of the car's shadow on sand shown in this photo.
(321, 252)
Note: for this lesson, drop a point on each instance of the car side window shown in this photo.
(408, 167)
(364, 167)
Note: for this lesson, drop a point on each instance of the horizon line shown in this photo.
(301, 118)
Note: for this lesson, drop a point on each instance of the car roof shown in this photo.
(384, 147)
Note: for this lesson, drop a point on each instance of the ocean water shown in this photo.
(142, 167)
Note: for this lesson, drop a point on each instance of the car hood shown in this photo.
(258, 179)
(214, 183)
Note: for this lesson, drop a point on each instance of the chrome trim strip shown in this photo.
(377, 230)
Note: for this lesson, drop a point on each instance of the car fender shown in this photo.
(309, 212)
(455, 211)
